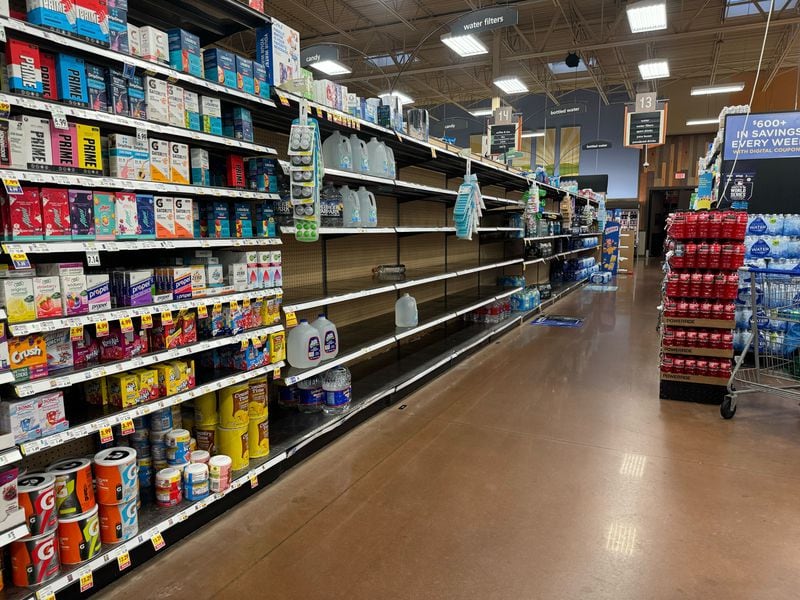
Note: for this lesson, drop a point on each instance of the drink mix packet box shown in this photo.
(59, 350)
(118, 29)
(51, 410)
(211, 112)
(49, 76)
(105, 220)
(179, 163)
(137, 288)
(154, 44)
(134, 40)
(27, 356)
(184, 52)
(81, 214)
(244, 75)
(176, 106)
(64, 147)
(165, 217)
(4, 365)
(183, 218)
(123, 390)
(220, 66)
(141, 159)
(53, 14)
(118, 93)
(71, 81)
(261, 87)
(95, 391)
(23, 214)
(156, 99)
(24, 68)
(92, 21)
(122, 156)
(17, 296)
(191, 102)
(47, 297)
(98, 290)
(145, 211)
(22, 419)
(96, 87)
(159, 160)
(127, 216)
(137, 98)
(201, 167)
(74, 296)
(148, 382)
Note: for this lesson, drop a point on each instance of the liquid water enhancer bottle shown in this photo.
(336, 386)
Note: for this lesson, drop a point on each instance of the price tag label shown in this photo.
(127, 427)
(217, 310)
(45, 595)
(147, 321)
(5, 110)
(166, 318)
(234, 306)
(2, 34)
(101, 328)
(92, 258)
(141, 135)
(158, 541)
(244, 345)
(126, 324)
(246, 303)
(283, 99)
(433, 152)
(59, 118)
(87, 581)
(20, 260)
(76, 333)
(253, 481)
(202, 311)
(291, 319)
(106, 435)
(124, 561)
(277, 373)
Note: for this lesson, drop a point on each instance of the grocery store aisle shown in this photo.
(543, 467)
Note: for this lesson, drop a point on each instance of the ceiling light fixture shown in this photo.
(723, 88)
(649, 15)
(654, 69)
(404, 99)
(533, 134)
(465, 45)
(331, 67)
(482, 112)
(511, 85)
(695, 122)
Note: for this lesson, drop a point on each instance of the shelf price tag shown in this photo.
(59, 118)
(253, 480)
(101, 328)
(202, 311)
(127, 427)
(291, 319)
(246, 303)
(106, 435)
(87, 581)
(92, 258)
(318, 112)
(234, 306)
(158, 541)
(20, 260)
(284, 100)
(276, 374)
(76, 333)
(5, 109)
(147, 321)
(166, 318)
(433, 152)
(244, 345)
(45, 595)
(124, 560)
(12, 185)
(126, 324)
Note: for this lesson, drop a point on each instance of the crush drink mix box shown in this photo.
(90, 158)
(55, 14)
(28, 357)
(184, 52)
(165, 217)
(92, 20)
(176, 106)
(55, 213)
(156, 99)
(48, 64)
(105, 220)
(71, 80)
(136, 97)
(179, 163)
(96, 85)
(159, 160)
(64, 147)
(145, 211)
(81, 214)
(127, 216)
(191, 102)
(24, 68)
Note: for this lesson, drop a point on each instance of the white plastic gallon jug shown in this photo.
(369, 208)
(360, 156)
(328, 336)
(351, 208)
(303, 348)
(405, 312)
(337, 152)
(378, 163)
(392, 164)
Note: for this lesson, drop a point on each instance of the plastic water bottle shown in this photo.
(405, 312)
(337, 389)
(351, 208)
(378, 163)
(337, 152)
(360, 155)
(310, 396)
(328, 336)
(303, 348)
(368, 208)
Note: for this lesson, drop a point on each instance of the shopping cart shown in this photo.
(770, 359)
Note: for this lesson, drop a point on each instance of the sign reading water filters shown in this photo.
(759, 136)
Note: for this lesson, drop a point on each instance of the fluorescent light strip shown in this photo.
(404, 99)
(723, 88)
(331, 67)
(647, 16)
(654, 69)
(482, 112)
(465, 45)
(511, 85)
(694, 122)
(533, 134)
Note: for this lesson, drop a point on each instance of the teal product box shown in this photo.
(260, 85)
(220, 66)
(146, 212)
(96, 86)
(211, 114)
(191, 104)
(118, 29)
(105, 218)
(242, 219)
(238, 123)
(219, 225)
(53, 14)
(92, 20)
(117, 86)
(184, 52)
(136, 98)
(71, 80)
(244, 75)
(200, 166)
(265, 221)
(197, 210)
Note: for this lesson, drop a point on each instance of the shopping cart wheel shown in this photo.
(727, 409)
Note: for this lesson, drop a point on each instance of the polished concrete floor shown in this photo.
(544, 467)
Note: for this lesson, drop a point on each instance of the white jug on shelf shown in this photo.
(368, 208)
(351, 207)
(328, 335)
(378, 163)
(390, 161)
(360, 155)
(337, 152)
(303, 347)
(405, 311)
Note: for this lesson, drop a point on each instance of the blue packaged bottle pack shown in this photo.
(244, 75)
(53, 14)
(184, 52)
(71, 80)
(220, 66)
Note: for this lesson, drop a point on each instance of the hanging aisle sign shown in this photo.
(486, 19)
(566, 110)
(645, 128)
(759, 136)
(503, 138)
(318, 53)
(597, 145)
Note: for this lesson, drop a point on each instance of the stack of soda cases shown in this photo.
(704, 251)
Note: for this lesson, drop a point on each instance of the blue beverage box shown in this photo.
(92, 20)
(53, 14)
(220, 66)
(136, 98)
(117, 86)
(118, 29)
(242, 217)
(184, 52)
(96, 85)
(146, 212)
(71, 80)
(261, 87)
(244, 75)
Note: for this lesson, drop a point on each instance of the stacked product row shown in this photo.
(773, 241)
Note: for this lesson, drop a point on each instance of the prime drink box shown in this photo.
(54, 14)
(64, 146)
(71, 80)
(24, 68)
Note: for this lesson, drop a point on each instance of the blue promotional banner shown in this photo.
(609, 261)
(760, 136)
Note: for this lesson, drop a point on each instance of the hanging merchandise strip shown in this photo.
(38, 386)
(121, 245)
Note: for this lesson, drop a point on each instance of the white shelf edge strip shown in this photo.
(99, 181)
(160, 128)
(18, 329)
(161, 69)
(120, 245)
(79, 431)
(15, 526)
(29, 388)
(10, 457)
(383, 230)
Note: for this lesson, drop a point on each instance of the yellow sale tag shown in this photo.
(101, 328)
(147, 321)
(217, 308)
(284, 100)
(106, 435)
(277, 373)
(20, 260)
(234, 306)
(202, 311)
(318, 112)
(158, 541)
(166, 318)
(87, 581)
(48, 596)
(76, 333)
(126, 325)
(256, 342)
(253, 481)
(127, 427)
(291, 319)
(246, 303)
(245, 344)
(124, 561)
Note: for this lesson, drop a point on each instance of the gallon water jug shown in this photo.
(369, 209)
(337, 152)
(360, 156)
(378, 163)
(392, 164)
(351, 208)
(405, 312)
(328, 336)
(303, 348)
(336, 386)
